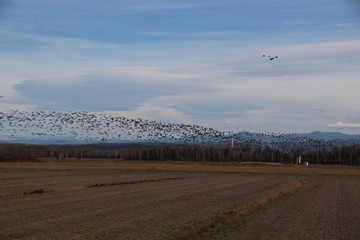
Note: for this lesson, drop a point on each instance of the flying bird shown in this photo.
(270, 57)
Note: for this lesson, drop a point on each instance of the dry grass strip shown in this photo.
(133, 182)
(96, 185)
(230, 217)
(314, 170)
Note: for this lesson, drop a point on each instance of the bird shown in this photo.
(94, 127)
(271, 58)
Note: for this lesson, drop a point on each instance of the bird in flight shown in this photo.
(270, 57)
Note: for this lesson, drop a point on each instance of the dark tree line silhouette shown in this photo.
(19, 153)
(342, 155)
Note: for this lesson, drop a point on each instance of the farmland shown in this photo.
(328, 208)
(177, 200)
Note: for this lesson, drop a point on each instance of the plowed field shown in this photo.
(327, 208)
(56, 201)
(124, 205)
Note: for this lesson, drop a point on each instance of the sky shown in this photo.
(187, 61)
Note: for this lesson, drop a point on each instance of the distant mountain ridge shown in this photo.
(328, 136)
(260, 137)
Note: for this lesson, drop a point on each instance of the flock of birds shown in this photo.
(92, 127)
(96, 127)
(270, 57)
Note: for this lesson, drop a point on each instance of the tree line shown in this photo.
(342, 155)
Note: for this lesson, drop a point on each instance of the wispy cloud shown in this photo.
(342, 25)
(43, 41)
(200, 84)
(141, 5)
(192, 61)
(345, 125)
(198, 34)
(125, 7)
(296, 22)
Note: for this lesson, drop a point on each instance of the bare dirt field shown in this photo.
(326, 208)
(137, 210)
(110, 201)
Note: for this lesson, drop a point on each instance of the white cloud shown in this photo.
(230, 122)
(152, 112)
(121, 7)
(299, 22)
(345, 125)
(7, 108)
(173, 72)
(204, 81)
(341, 25)
(197, 34)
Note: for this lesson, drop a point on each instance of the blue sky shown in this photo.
(196, 62)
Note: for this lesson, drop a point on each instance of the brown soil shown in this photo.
(327, 208)
(138, 210)
(22, 181)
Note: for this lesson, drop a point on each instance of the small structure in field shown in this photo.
(299, 161)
